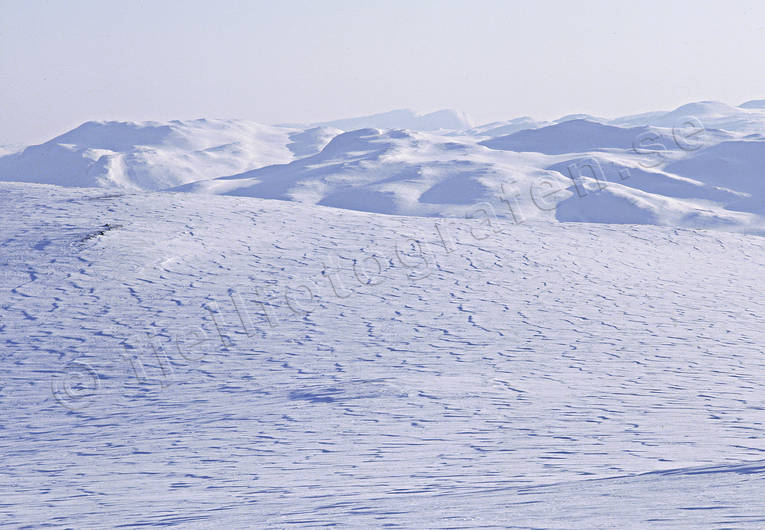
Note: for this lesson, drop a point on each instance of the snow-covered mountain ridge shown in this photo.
(698, 166)
(154, 155)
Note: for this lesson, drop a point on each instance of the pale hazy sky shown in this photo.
(62, 63)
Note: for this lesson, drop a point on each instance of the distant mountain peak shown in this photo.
(753, 104)
(704, 108)
(579, 117)
(404, 119)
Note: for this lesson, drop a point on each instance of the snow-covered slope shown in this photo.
(571, 136)
(630, 194)
(153, 155)
(196, 361)
(737, 165)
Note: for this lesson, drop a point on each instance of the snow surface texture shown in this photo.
(178, 359)
(698, 166)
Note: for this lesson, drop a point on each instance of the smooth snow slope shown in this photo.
(197, 361)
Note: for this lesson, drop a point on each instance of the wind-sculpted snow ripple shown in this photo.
(224, 361)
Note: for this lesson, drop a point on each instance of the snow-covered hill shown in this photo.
(746, 118)
(572, 171)
(572, 136)
(697, 166)
(153, 155)
(185, 360)
(389, 171)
